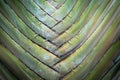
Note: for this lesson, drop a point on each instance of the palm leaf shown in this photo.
(59, 39)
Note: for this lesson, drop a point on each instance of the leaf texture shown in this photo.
(59, 39)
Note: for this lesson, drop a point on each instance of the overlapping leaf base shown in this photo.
(59, 39)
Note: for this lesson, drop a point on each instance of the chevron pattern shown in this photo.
(59, 39)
